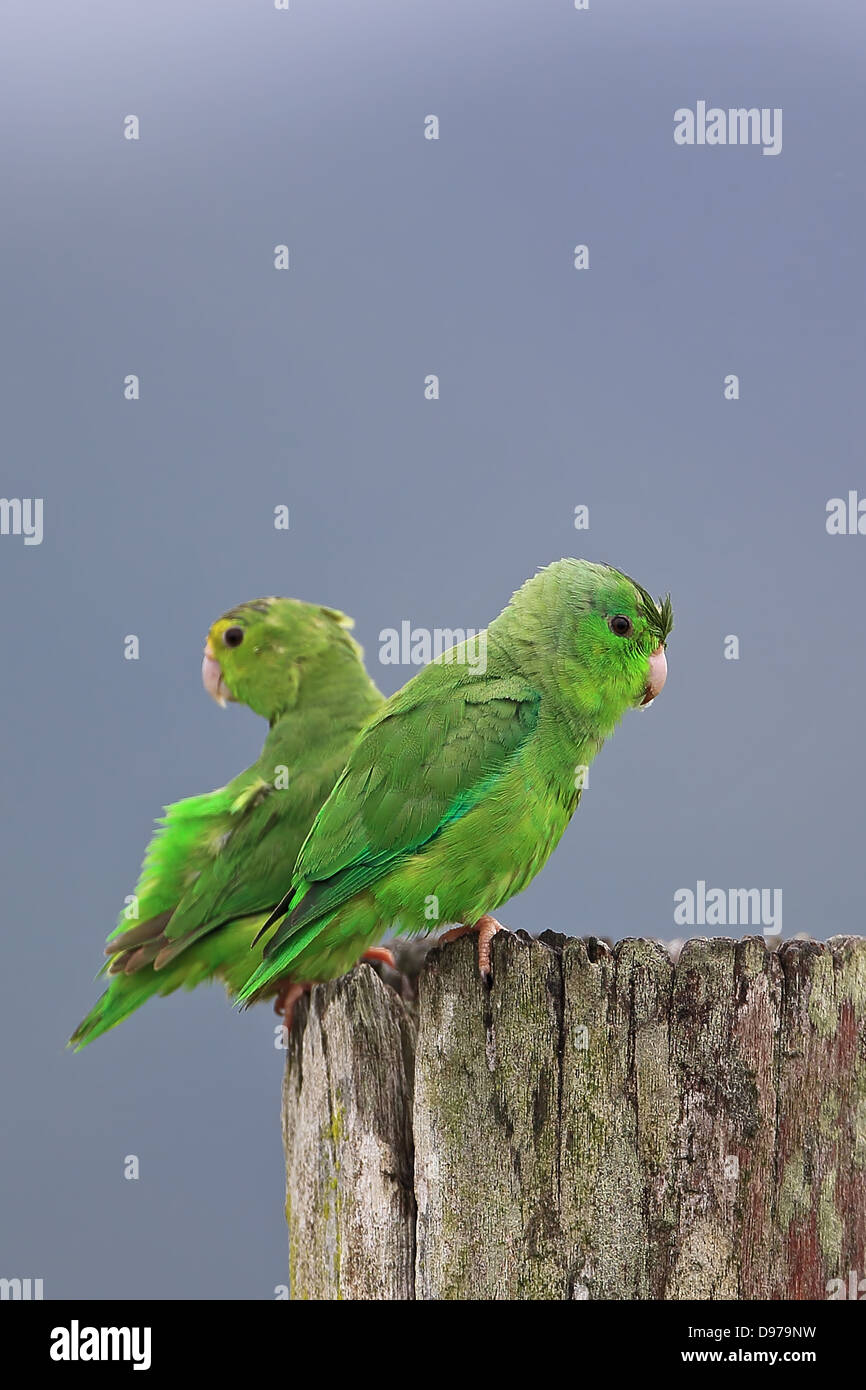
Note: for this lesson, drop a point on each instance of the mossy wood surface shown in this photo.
(601, 1123)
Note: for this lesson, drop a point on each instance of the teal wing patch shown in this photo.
(416, 768)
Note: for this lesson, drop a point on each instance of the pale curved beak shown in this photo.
(658, 674)
(212, 678)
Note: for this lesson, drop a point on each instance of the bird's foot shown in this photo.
(292, 990)
(380, 953)
(486, 928)
(285, 1002)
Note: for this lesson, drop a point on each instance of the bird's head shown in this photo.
(598, 633)
(259, 653)
(622, 634)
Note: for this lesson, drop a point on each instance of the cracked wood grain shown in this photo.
(347, 1097)
(600, 1124)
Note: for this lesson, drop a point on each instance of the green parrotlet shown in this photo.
(460, 787)
(216, 865)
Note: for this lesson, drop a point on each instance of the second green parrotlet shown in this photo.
(459, 788)
(216, 866)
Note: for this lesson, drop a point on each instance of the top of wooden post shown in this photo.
(602, 1122)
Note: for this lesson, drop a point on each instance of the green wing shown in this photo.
(176, 854)
(217, 857)
(427, 759)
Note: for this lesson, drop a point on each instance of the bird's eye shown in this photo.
(621, 625)
(233, 636)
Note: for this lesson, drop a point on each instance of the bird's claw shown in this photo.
(292, 990)
(486, 928)
(284, 1004)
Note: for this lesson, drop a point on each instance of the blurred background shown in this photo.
(559, 388)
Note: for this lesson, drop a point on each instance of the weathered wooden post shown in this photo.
(601, 1123)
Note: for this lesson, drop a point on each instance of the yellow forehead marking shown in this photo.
(219, 627)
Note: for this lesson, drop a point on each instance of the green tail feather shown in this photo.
(268, 972)
(224, 954)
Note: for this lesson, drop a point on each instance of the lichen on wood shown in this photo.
(347, 1098)
(601, 1122)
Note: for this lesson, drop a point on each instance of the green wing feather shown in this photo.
(215, 860)
(181, 848)
(424, 761)
(242, 878)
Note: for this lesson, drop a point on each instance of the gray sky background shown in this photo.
(558, 387)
